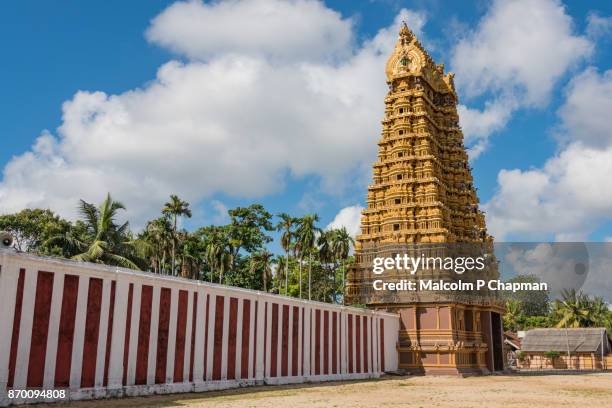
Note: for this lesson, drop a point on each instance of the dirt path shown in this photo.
(589, 391)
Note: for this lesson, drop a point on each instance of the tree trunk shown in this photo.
(300, 278)
(287, 273)
(265, 281)
(309, 276)
(334, 286)
(174, 247)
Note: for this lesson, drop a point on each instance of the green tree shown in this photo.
(514, 315)
(342, 247)
(31, 228)
(247, 230)
(577, 309)
(327, 256)
(286, 226)
(97, 237)
(175, 208)
(262, 262)
(156, 243)
(306, 237)
(532, 303)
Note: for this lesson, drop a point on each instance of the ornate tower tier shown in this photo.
(422, 201)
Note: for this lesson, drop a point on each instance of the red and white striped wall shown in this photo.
(98, 331)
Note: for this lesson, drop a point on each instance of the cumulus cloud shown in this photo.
(566, 197)
(513, 58)
(228, 120)
(294, 30)
(349, 218)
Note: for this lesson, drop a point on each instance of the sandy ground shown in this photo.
(587, 390)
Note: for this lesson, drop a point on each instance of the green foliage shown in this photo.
(577, 309)
(98, 238)
(552, 354)
(521, 356)
(31, 228)
(532, 303)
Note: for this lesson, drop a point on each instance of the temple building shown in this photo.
(422, 202)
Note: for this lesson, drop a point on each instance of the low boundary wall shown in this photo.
(98, 331)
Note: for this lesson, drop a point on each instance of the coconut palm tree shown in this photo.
(99, 239)
(306, 238)
(262, 261)
(575, 309)
(286, 224)
(175, 208)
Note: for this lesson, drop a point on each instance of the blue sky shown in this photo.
(52, 51)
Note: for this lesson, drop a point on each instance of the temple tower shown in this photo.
(422, 201)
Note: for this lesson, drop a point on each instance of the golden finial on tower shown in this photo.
(404, 30)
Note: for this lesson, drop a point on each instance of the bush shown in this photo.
(551, 354)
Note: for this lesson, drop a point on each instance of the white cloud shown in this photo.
(295, 30)
(567, 197)
(236, 122)
(349, 218)
(598, 26)
(514, 57)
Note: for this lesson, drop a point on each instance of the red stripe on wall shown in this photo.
(128, 328)
(317, 341)
(207, 312)
(341, 341)
(92, 333)
(302, 340)
(194, 315)
(65, 336)
(285, 343)
(382, 345)
(335, 343)
(350, 343)
(40, 329)
(358, 342)
(365, 344)
(255, 340)
(231, 341)
(16, 327)
(163, 330)
(109, 331)
(181, 328)
(265, 336)
(246, 331)
(274, 341)
(144, 332)
(295, 341)
(218, 339)
(372, 343)
(326, 342)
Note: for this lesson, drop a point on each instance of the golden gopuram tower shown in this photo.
(422, 201)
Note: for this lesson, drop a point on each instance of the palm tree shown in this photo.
(101, 240)
(281, 268)
(306, 238)
(157, 242)
(286, 225)
(513, 314)
(175, 208)
(262, 261)
(326, 253)
(575, 310)
(219, 258)
(342, 243)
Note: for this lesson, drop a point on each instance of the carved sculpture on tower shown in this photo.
(422, 201)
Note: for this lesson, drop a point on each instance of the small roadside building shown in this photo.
(573, 349)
